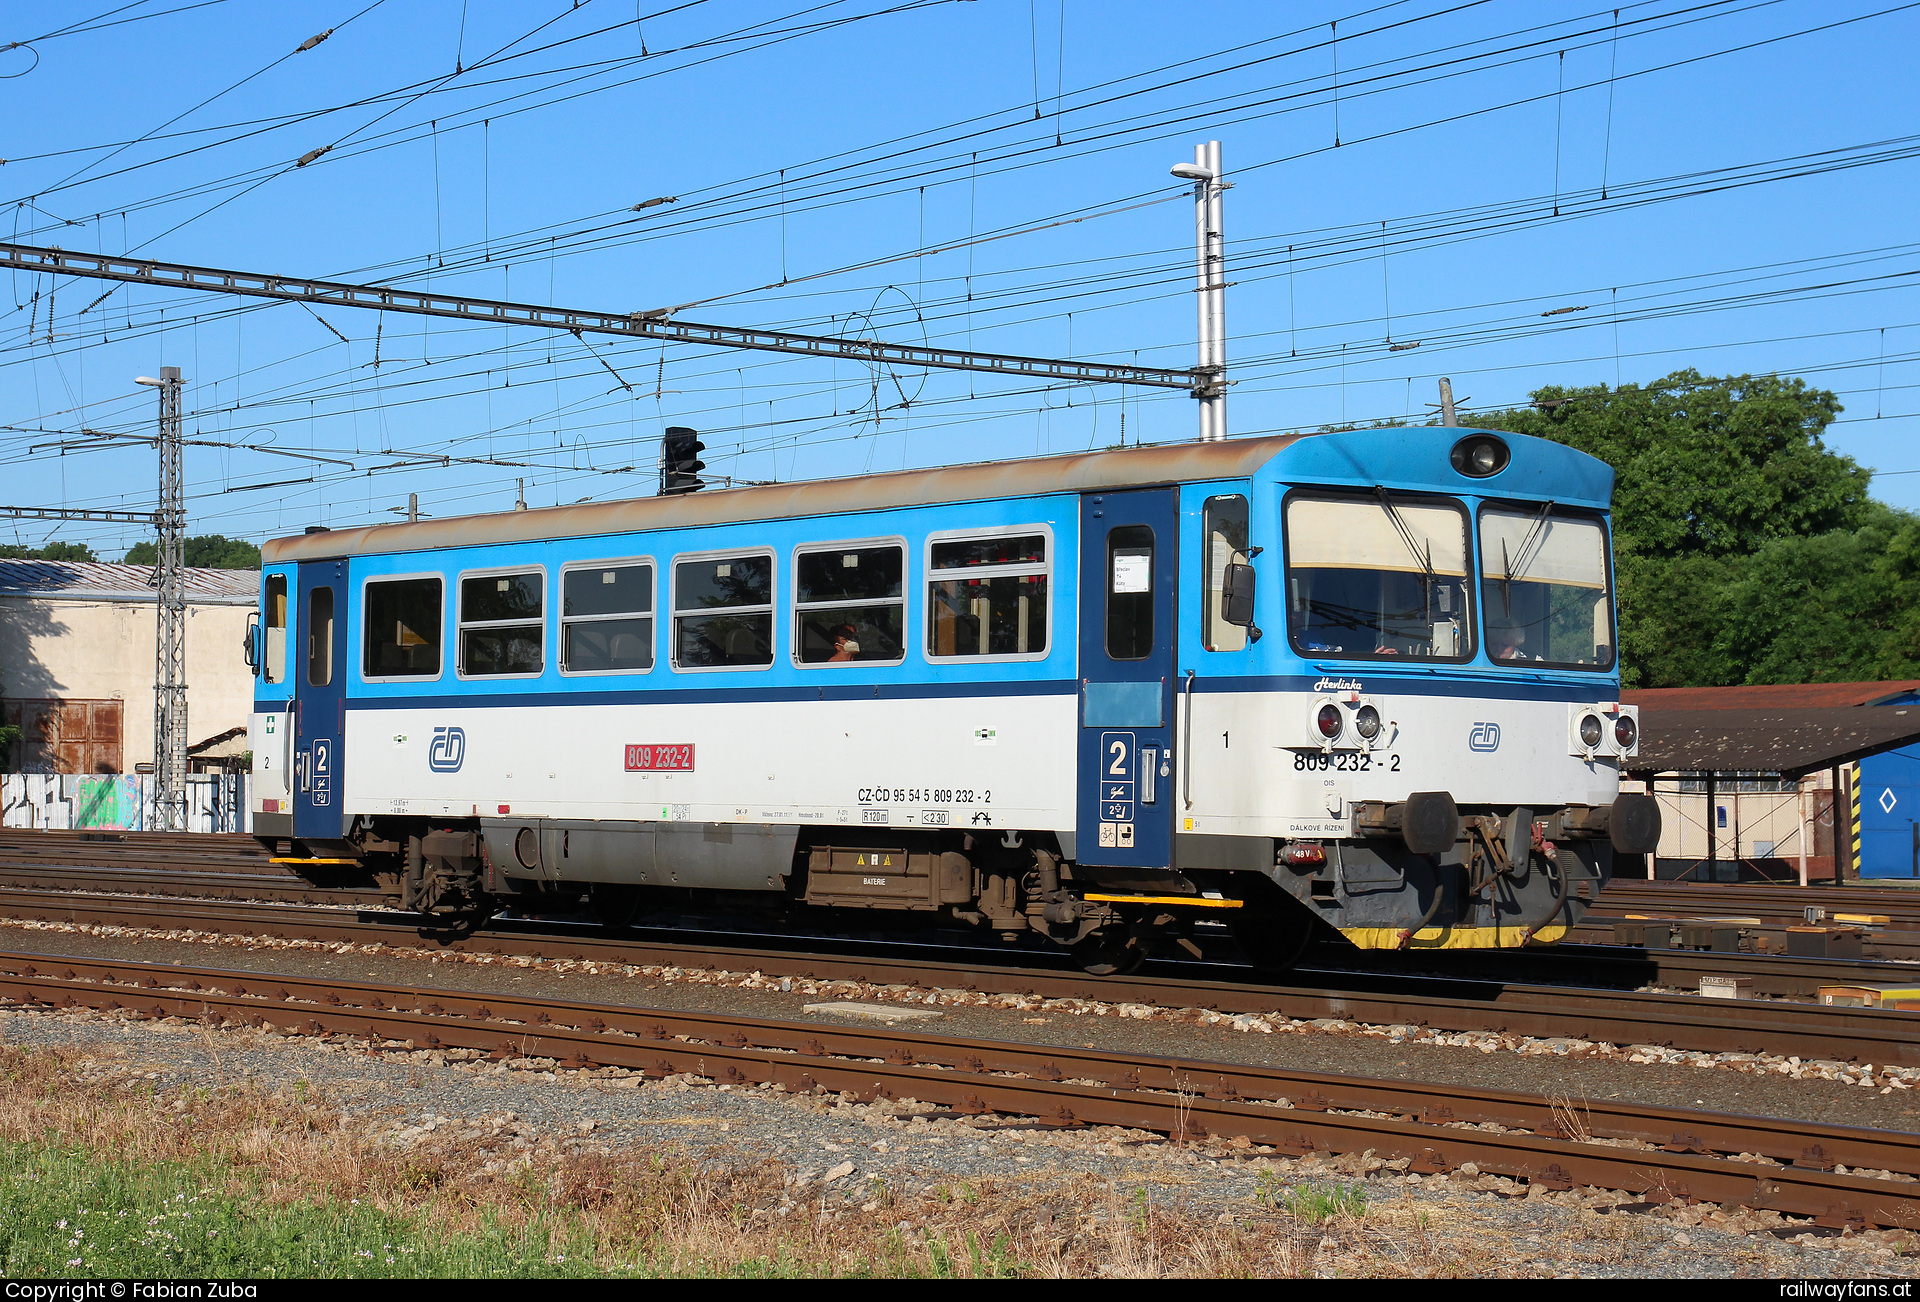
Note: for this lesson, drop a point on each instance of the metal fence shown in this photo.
(216, 802)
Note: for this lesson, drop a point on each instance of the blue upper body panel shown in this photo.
(1411, 460)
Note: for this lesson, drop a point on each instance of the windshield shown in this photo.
(1378, 576)
(1545, 586)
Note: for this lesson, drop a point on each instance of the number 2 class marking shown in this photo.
(1119, 765)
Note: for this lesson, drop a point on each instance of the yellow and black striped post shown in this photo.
(1853, 790)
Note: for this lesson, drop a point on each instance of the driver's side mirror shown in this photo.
(250, 643)
(1236, 598)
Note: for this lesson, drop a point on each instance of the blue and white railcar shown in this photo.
(1365, 679)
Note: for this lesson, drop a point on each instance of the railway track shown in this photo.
(167, 868)
(1385, 999)
(229, 852)
(1656, 1153)
(1783, 903)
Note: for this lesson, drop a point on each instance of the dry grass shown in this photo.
(662, 1210)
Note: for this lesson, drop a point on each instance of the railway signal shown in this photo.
(680, 463)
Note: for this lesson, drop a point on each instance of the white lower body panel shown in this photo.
(975, 764)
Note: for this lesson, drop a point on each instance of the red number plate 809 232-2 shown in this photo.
(660, 759)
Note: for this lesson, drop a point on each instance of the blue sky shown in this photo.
(1733, 183)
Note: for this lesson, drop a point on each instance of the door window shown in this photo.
(1130, 592)
(320, 637)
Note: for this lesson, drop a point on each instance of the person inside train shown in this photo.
(1508, 643)
(844, 646)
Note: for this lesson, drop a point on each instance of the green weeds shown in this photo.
(66, 1213)
(1313, 1201)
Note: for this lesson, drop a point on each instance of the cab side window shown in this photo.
(1225, 523)
(274, 668)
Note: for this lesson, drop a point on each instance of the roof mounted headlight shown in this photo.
(1480, 455)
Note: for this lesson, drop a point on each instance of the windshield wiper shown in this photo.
(1535, 538)
(1425, 558)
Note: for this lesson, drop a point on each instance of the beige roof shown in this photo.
(105, 581)
(984, 481)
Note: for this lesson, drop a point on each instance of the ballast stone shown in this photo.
(875, 1012)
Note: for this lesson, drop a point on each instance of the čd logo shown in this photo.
(449, 748)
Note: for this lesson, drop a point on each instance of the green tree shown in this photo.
(1707, 466)
(208, 551)
(1746, 551)
(53, 551)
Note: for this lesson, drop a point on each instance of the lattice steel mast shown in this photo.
(170, 666)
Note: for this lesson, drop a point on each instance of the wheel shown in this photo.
(1274, 942)
(1110, 952)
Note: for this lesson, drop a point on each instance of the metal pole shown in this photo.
(1202, 300)
(1448, 416)
(1713, 827)
(170, 670)
(1217, 259)
(1211, 272)
(1801, 784)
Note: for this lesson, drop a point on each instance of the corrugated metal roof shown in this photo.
(105, 581)
(1772, 696)
(985, 481)
(1768, 741)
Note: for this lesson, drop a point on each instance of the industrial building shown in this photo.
(77, 656)
(1819, 781)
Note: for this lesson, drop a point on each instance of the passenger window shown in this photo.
(849, 605)
(1129, 592)
(1226, 536)
(402, 619)
(502, 624)
(606, 619)
(274, 670)
(320, 637)
(723, 612)
(988, 597)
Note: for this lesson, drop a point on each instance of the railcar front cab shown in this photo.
(1433, 754)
